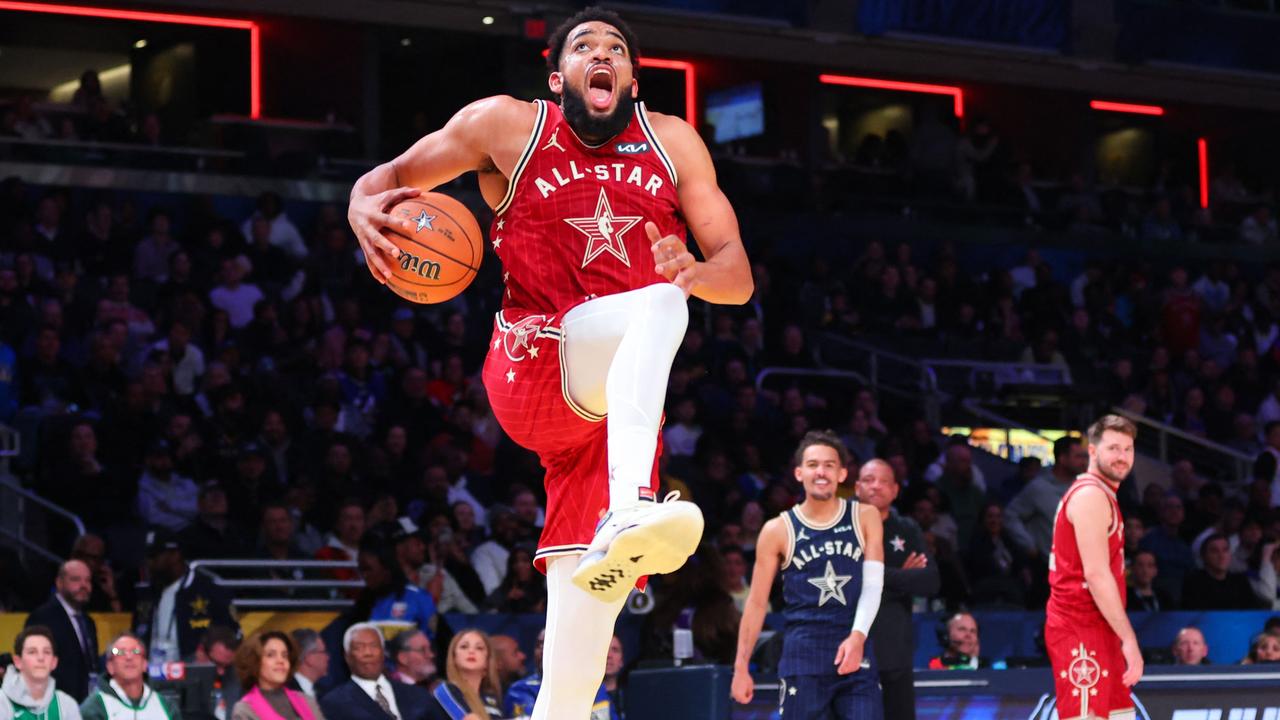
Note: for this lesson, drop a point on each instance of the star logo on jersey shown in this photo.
(899, 544)
(517, 340)
(604, 231)
(424, 221)
(831, 585)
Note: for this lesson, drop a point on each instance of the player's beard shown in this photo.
(1107, 474)
(596, 129)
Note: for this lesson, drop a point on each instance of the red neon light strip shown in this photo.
(1202, 149)
(956, 93)
(255, 43)
(1126, 107)
(690, 82)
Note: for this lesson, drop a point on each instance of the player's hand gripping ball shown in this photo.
(440, 245)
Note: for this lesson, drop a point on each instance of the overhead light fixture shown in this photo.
(487, 19)
(405, 42)
(140, 44)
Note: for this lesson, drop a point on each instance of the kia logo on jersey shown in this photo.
(631, 148)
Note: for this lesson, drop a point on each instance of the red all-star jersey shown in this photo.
(1070, 602)
(572, 223)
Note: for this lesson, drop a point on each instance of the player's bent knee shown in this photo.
(670, 301)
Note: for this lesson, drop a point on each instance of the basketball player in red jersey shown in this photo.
(591, 197)
(1091, 645)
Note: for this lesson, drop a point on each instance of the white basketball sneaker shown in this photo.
(648, 538)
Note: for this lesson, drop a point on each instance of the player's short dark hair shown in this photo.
(592, 13)
(34, 631)
(821, 437)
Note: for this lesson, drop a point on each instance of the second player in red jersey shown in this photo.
(591, 197)
(1091, 645)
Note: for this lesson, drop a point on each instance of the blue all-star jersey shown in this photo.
(821, 581)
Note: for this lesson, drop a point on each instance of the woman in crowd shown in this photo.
(265, 662)
(471, 691)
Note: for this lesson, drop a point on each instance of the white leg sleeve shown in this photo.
(618, 354)
(579, 628)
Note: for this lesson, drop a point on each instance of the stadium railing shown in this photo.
(294, 592)
(26, 519)
(1170, 444)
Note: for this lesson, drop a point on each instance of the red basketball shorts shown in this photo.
(528, 389)
(1087, 670)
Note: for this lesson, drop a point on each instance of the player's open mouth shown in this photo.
(600, 87)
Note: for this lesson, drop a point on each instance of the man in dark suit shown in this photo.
(369, 694)
(179, 605)
(75, 637)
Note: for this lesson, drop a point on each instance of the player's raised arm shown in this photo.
(1090, 514)
(770, 550)
(725, 276)
(469, 141)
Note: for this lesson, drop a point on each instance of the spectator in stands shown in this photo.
(92, 551)
(165, 498)
(1265, 585)
(412, 659)
(472, 688)
(211, 534)
(32, 692)
(962, 650)
(47, 381)
(1271, 434)
(234, 296)
(387, 594)
(521, 695)
(997, 568)
(1259, 227)
(151, 255)
(490, 558)
(1215, 587)
(523, 589)
(1029, 517)
(447, 562)
(66, 616)
(313, 662)
(1172, 552)
(1189, 647)
(1142, 592)
(964, 498)
(264, 664)
(117, 306)
(1264, 649)
(343, 543)
(735, 566)
(508, 660)
(178, 604)
(283, 233)
(124, 690)
(1160, 226)
(369, 694)
(217, 647)
(185, 359)
(276, 542)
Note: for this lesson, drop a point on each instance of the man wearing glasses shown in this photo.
(124, 692)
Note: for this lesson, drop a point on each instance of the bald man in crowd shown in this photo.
(75, 637)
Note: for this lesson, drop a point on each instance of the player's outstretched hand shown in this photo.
(743, 687)
(849, 654)
(368, 215)
(1132, 662)
(673, 259)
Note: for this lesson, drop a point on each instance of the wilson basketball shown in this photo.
(440, 251)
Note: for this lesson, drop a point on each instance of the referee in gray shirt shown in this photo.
(908, 573)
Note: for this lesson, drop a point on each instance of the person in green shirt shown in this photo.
(31, 692)
(123, 692)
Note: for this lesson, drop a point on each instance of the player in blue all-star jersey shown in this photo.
(831, 553)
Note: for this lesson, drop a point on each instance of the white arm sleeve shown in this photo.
(869, 598)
